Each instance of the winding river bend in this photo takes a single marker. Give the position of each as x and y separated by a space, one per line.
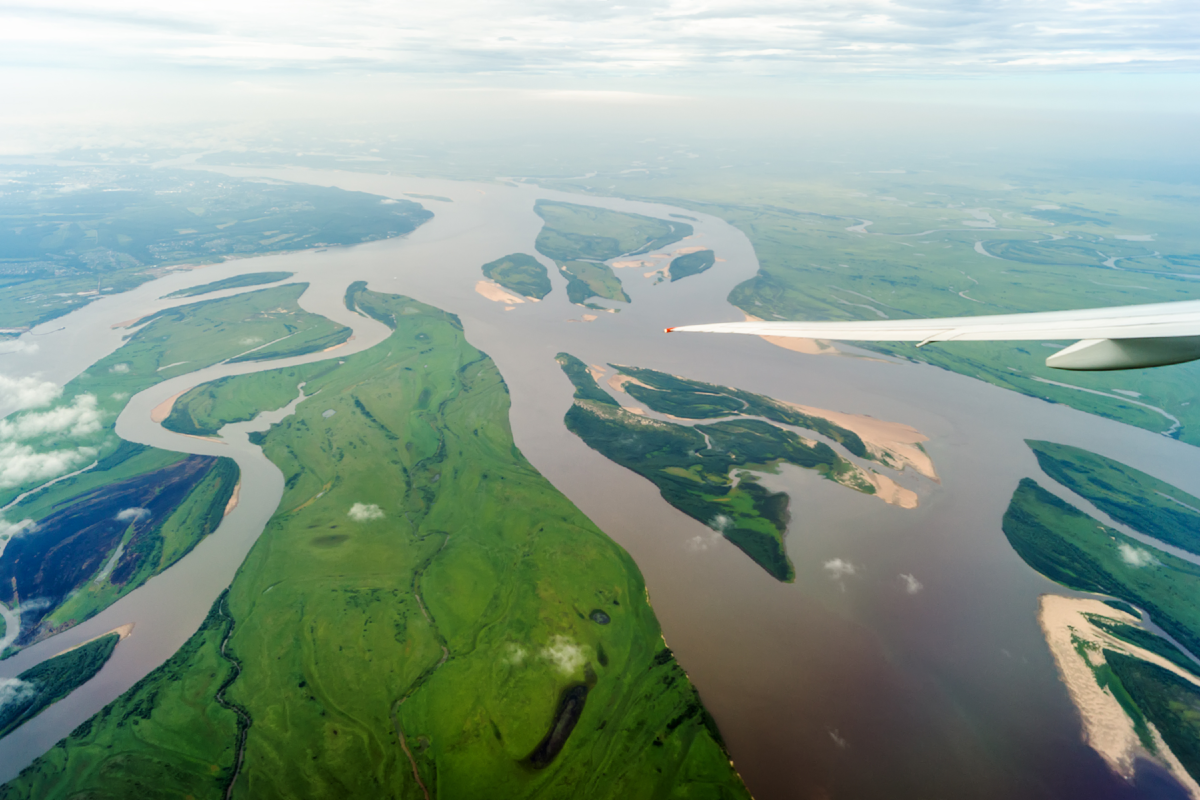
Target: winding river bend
840 683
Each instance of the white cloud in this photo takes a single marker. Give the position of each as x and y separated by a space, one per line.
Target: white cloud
565 654
17 346
911 584
20 464
514 654
21 393
120 369
81 418
720 523
130 514
9 530
1136 557
839 568
365 512
15 690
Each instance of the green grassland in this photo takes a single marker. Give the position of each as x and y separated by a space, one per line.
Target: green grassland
167 736
54 679
696 467
1170 702
580 238
1071 548
68 230
1141 501
236 282
520 273
422 601
918 258
1140 637
181 340
691 264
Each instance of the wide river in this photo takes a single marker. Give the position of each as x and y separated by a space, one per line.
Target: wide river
849 686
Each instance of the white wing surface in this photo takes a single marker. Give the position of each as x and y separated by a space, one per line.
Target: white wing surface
1120 337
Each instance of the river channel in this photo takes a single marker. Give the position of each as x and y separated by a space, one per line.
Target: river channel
839 684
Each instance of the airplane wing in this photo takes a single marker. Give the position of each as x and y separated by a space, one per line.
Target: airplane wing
1120 337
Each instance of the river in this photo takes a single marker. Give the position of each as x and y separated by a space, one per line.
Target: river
839 684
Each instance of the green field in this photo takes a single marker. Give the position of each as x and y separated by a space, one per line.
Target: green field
580 238
1170 702
690 264
71 233
422 601
520 273
918 258
707 471
1141 501
236 282
1071 548
50 681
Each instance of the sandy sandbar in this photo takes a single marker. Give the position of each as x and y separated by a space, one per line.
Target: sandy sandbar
233 499
163 409
123 631
498 294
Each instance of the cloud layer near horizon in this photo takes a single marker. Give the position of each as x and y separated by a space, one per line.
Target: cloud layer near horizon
679 38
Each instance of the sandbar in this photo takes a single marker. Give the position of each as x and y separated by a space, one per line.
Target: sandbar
893 443
163 409
123 631
233 499
1107 729
498 294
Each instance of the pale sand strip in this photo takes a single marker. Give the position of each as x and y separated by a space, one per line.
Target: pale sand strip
129 323
498 294
163 409
893 443
233 499
1107 729
124 631
336 346
889 491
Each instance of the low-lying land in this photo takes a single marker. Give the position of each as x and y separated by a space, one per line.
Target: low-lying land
70 234
707 470
691 264
424 616
1141 501
581 238
236 282
520 273
31 692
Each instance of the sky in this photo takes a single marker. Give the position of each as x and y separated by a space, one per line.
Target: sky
133 62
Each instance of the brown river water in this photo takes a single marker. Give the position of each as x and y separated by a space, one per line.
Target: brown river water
843 686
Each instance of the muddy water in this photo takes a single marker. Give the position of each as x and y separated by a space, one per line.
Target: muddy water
841 683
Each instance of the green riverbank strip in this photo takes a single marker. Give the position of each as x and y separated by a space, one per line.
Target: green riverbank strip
424 616
691 264
1073 549
581 238
705 471
520 273
37 688
1130 496
236 282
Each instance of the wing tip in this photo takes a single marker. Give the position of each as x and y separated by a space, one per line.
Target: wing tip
668 330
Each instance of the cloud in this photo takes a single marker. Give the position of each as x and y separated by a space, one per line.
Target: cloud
120 369
17 346
839 568
19 464
131 514
1136 557
15 691
720 523
565 654
10 530
365 512
911 584
22 393
514 654
81 418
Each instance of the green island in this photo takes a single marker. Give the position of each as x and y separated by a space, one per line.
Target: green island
581 238
1167 700
71 234
1074 549
707 470
834 244
690 264
236 282
520 273
41 686
1143 502
425 615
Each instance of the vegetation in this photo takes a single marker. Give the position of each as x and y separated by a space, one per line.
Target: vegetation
1141 501
691 264
52 680
236 282
1140 637
1171 702
422 616
1071 548
693 466
520 273
580 238
72 233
